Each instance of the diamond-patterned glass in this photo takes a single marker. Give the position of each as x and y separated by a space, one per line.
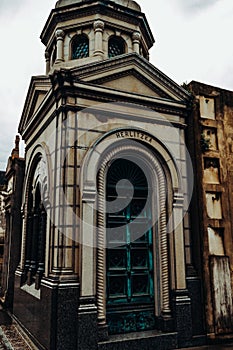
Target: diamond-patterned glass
80 47
116 46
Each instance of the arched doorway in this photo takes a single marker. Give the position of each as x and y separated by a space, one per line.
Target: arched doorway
164 185
130 247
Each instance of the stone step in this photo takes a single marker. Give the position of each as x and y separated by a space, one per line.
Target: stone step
140 341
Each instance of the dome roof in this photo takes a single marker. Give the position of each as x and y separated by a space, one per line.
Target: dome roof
127 3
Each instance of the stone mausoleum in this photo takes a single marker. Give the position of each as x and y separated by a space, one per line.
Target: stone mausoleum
108 257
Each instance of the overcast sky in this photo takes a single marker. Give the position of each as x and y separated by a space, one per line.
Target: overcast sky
193 42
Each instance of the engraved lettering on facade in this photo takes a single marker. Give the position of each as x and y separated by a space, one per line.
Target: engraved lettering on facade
133 134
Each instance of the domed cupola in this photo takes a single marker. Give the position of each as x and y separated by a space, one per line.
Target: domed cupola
81 32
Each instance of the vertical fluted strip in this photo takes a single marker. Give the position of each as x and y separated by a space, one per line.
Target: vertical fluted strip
164 245
101 250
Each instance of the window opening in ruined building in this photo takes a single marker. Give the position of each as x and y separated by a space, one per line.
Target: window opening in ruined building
211 170
215 238
116 46
210 136
207 107
80 47
214 205
129 257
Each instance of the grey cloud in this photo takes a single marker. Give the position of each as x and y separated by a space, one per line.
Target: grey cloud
196 5
5 148
10 5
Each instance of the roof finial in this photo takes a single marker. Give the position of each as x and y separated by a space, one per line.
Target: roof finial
15 151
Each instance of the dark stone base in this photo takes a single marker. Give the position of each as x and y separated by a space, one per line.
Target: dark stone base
87 335
197 306
165 323
102 332
199 340
139 341
66 323
183 317
50 320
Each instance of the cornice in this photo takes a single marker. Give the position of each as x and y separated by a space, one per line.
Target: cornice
64 86
60 15
38 84
80 73
30 123
134 73
70 82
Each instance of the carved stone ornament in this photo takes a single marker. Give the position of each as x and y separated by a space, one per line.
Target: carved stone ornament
60 34
99 25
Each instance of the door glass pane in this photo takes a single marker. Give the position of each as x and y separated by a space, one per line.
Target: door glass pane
129 256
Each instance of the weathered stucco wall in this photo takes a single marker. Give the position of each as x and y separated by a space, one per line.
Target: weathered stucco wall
213 135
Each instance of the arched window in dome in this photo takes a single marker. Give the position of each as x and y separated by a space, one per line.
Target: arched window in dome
116 46
80 47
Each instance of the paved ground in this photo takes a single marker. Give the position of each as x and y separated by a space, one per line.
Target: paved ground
212 347
12 338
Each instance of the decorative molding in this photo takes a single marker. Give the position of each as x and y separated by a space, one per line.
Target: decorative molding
136 36
99 25
132 72
60 34
101 230
81 10
139 62
37 84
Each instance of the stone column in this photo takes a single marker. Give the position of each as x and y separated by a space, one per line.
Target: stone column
87 310
181 299
179 241
136 37
98 28
87 241
47 61
60 45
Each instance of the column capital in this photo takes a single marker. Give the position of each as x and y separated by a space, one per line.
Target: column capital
136 36
60 34
98 25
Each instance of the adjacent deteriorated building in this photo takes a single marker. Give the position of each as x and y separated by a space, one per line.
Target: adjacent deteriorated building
2 217
211 132
12 199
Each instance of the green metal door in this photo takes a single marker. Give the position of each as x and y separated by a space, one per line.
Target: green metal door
130 263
